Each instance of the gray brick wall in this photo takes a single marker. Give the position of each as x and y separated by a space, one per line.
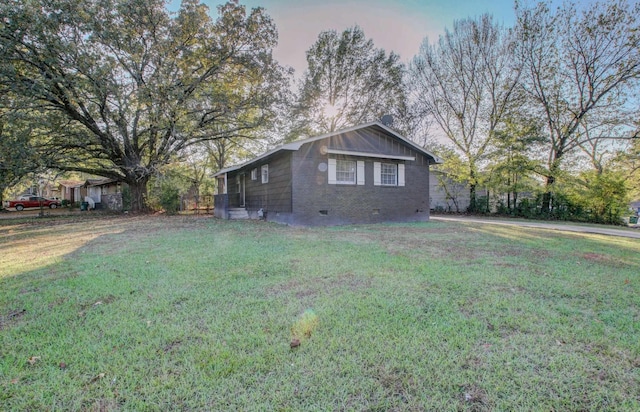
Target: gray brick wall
315 202
298 191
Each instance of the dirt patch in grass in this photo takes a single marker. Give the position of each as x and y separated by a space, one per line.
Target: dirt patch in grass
11 318
349 281
171 346
601 259
57 302
472 363
294 285
96 303
397 383
540 254
104 405
511 289
307 293
314 287
474 398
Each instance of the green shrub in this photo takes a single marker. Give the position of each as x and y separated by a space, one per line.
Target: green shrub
169 199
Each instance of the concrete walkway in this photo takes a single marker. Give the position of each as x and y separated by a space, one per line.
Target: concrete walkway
600 230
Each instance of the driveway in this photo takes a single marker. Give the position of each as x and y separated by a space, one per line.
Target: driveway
600 230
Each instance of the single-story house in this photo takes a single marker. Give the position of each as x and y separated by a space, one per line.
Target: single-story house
103 194
363 174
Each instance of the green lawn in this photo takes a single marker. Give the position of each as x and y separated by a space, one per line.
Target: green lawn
193 313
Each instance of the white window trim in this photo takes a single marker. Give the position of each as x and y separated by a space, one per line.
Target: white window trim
332 171
392 169
332 168
377 175
401 174
360 172
355 171
254 174
264 172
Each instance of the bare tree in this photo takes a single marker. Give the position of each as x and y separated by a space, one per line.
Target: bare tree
577 62
465 83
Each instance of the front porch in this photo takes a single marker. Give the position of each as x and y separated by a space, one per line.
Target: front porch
232 206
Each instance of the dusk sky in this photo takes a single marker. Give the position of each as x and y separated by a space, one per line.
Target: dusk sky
394 25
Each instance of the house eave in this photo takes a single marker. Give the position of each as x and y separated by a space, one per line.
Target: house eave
367 154
294 146
254 160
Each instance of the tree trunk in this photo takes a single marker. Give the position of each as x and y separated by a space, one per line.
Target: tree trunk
515 192
546 197
473 206
509 195
473 183
139 194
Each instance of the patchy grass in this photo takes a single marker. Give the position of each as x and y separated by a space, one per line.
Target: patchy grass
193 313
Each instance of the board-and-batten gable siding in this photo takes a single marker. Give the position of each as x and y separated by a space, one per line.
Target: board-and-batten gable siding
274 195
357 203
368 141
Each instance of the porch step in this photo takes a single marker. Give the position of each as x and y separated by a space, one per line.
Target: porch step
238 213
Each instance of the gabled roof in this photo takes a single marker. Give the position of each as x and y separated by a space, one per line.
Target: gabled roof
294 146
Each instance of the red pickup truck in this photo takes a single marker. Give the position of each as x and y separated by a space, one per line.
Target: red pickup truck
32 201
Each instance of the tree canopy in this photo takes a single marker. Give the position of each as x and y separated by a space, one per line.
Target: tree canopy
578 68
465 82
17 155
348 82
124 86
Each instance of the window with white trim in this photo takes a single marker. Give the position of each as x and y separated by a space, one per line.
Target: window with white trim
388 174
346 172
265 173
254 174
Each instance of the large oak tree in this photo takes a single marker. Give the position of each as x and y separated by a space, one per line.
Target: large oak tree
124 86
17 156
